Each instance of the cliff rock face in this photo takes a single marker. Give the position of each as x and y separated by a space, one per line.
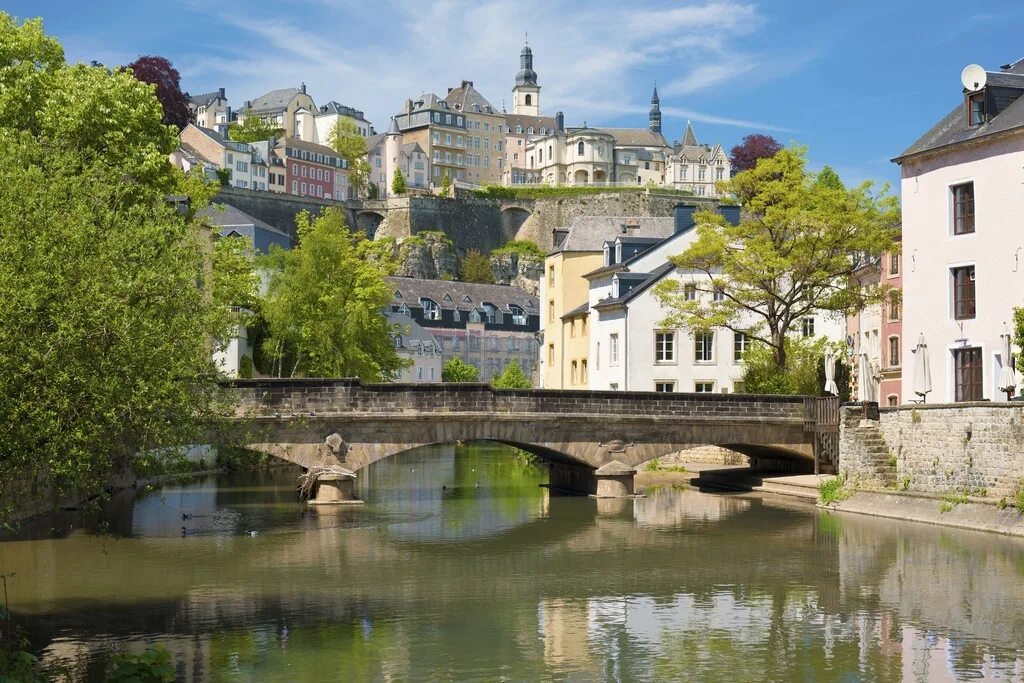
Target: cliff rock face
427 256
519 271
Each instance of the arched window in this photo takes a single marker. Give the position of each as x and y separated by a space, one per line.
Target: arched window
550 155
530 130
529 100
580 148
540 155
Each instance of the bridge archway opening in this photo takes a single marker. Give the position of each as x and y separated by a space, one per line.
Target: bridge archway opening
748 456
368 222
512 219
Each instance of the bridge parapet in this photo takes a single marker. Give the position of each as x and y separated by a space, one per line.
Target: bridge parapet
284 397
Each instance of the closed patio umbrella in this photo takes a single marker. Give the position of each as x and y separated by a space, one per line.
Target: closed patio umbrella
1007 377
922 370
830 375
867 380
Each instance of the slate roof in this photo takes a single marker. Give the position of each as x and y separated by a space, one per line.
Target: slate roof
468 99
953 128
502 296
637 137
308 146
273 101
524 120
221 140
411 330
225 216
579 310
589 233
411 148
204 99
333 107
652 277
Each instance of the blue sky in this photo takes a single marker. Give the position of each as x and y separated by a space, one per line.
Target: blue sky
855 81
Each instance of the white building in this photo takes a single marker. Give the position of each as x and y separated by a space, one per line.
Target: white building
417 345
328 116
245 166
963 245
385 153
630 348
211 110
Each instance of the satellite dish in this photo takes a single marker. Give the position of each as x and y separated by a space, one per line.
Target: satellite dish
973 77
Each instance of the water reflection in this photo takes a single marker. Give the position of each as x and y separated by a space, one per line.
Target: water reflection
439 578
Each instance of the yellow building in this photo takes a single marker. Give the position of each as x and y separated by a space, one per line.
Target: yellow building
484 144
564 293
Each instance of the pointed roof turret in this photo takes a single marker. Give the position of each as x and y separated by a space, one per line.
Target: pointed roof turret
393 128
654 97
654 120
690 139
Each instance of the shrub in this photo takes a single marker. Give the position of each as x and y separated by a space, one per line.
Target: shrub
457 370
245 367
512 377
475 267
544 192
152 666
526 248
833 490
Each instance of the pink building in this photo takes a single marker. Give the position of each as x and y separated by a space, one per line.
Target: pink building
891 393
874 336
312 170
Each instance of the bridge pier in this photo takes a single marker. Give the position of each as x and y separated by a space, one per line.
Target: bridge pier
335 489
614 480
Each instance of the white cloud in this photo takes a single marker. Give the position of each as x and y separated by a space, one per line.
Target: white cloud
591 59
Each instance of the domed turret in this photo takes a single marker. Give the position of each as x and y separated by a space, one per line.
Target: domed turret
526 75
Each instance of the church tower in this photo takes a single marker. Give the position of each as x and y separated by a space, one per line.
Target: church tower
655 115
526 93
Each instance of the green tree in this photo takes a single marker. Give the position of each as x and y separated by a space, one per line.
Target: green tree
325 304
1018 331
398 182
372 191
475 267
446 185
457 370
253 129
804 373
794 251
512 377
346 140
103 331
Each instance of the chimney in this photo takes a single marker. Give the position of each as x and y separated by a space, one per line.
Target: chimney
731 213
408 107
559 121
684 217
248 104
467 84
220 93
302 88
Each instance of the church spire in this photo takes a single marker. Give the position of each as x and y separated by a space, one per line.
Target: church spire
655 115
690 139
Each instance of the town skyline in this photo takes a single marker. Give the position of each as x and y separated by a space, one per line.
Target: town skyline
717 64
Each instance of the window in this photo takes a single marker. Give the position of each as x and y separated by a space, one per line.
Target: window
718 294
664 387
295 187
437 138
597 357
664 347
572 376
242 166
963 208
702 172
431 374
968 374
303 186
431 311
448 119
551 276
704 347
807 327
529 100
719 172
614 386
894 352
892 400
690 292
448 139
740 345
304 171
976 109
963 293
894 309
704 387
613 349
894 264
551 310
458 141
572 329
583 372
580 148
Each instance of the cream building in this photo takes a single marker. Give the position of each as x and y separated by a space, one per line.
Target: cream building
484 142
524 123
289 108
441 131
696 167
389 151
211 110
564 293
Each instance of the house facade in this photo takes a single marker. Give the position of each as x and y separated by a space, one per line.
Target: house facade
962 246
696 167
564 292
390 151
874 335
211 110
290 109
440 131
486 326
328 116
246 167
312 170
419 348
484 156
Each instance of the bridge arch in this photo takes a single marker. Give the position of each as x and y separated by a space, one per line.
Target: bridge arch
368 222
512 219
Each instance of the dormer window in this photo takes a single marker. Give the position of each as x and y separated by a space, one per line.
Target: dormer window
976 109
615 288
618 252
431 311
607 255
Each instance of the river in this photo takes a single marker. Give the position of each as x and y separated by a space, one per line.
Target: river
460 567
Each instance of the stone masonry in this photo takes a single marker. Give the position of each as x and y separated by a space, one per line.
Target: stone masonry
967 447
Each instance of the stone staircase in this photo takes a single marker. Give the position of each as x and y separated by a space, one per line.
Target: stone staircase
874 468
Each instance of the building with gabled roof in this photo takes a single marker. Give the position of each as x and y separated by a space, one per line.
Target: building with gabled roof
246 168
211 110
695 167
328 116
285 108
484 155
485 325
417 346
390 151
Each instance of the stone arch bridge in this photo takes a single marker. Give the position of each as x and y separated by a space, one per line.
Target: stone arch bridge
593 439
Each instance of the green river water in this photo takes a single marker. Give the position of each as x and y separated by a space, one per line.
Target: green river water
459 567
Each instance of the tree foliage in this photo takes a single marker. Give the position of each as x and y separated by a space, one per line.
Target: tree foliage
744 156
475 267
446 185
346 140
1018 332
512 377
794 252
253 129
325 301
398 183
159 72
457 370
104 333
523 248
804 373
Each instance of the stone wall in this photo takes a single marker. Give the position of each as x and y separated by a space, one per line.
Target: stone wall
275 208
966 447
329 396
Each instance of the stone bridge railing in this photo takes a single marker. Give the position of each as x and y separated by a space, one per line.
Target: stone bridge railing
301 397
